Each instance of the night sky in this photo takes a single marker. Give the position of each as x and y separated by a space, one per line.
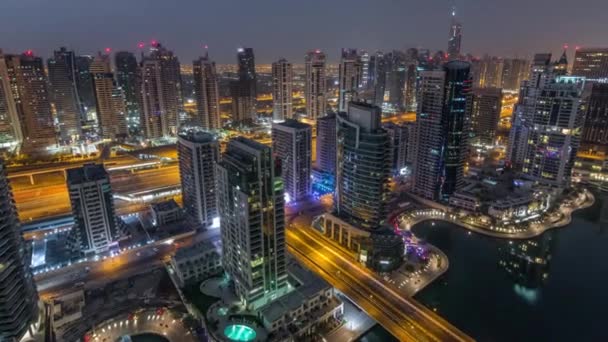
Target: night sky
287 28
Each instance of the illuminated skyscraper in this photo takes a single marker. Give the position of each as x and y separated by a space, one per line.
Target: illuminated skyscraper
207 93
109 100
443 114
399 136
455 39
487 72
326 144
282 90
126 75
10 127
244 90
292 144
485 114
198 152
591 63
316 88
514 71
84 85
62 82
350 77
161 93
18 297
595 131
250 200
30 92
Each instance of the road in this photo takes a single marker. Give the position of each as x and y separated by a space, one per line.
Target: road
405 318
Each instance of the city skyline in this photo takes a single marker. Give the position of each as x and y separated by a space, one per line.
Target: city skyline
388 25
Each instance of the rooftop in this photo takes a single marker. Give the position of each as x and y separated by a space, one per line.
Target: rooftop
295 124
165 205
196 249
197 136
87 173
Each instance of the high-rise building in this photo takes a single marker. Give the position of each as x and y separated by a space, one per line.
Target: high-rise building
18 296
198 152
282 90
455 39
30 92
292 144
443 110
244 90
378 78
315 84
96 228
250 201
161 93
109 100
127 72
487 72
207 93
595 131
349 77
326 144
364 167
62 82
365 66
84 86
591 63
514 71
10 127
485 114
399 136
411 86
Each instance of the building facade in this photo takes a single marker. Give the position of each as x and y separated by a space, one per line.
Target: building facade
207 93
109 100
399 136
349 78
282 90
250 203
595 131
326 144
244 90
198 152
292 144
315 84
10 126
485 115
591 63
62 83
455 37
127 73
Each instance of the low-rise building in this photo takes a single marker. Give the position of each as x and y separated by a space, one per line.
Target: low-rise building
591 168
165 212
197 262
67 308
305 310
521 208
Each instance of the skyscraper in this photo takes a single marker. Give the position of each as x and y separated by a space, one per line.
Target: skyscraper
326 144
62 82
251 193
399 136
365 66
244 90
161 93
485 114
595 131
315 88
198 151
84 85
443 110
126 76
96 228
379 78
109 100
350 77
207 93
30 92
487 72
591 63
514 71
10 127
292 144
18 297
455 38
364 167
282 90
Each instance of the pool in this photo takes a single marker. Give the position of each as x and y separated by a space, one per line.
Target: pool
239 332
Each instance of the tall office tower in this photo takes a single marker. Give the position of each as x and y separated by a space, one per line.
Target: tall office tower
62 82
591 63
485 113
282 90
399 136
207 93
244 90
28 83
326 144
315 84
84 85
487 72
250 201
560 67
379 78
10 127
161 89
364 167
126 76
18 296
292 144
443 110
109 100
198 153
350 77
365 66
395 80
455 39
96 228
514 72
595 131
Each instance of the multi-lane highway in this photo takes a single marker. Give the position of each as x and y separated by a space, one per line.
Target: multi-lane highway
402 316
